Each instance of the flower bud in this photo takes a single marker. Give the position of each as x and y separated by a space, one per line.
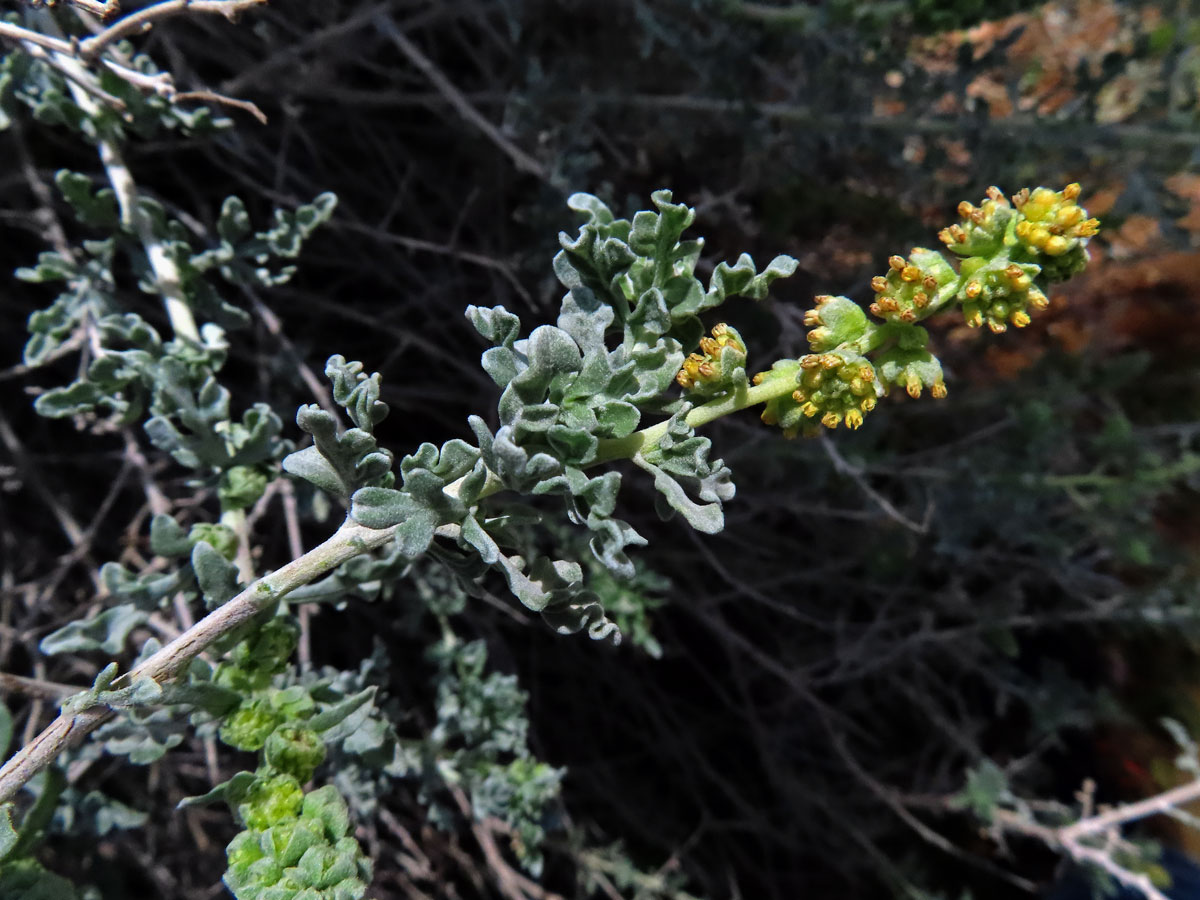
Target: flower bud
982 230
840 321
221 538
999 293
295 751
911 370
270 800
908 291
783 411
711 371
1052 230
248 726
841 388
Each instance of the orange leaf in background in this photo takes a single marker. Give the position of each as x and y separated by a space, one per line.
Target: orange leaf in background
1187 186
1135 237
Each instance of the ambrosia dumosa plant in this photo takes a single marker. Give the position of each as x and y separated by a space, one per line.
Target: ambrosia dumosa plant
629 371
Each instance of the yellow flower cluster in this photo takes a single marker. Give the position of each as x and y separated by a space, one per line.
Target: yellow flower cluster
1051 221
839 387
909 286
709 367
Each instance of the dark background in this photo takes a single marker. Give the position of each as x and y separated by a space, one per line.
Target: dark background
1006 574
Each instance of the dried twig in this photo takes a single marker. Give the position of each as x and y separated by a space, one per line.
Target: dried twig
36 687
143 19
522 160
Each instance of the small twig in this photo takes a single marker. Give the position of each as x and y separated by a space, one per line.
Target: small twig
36 687
855 474
511 883
104 10
160 83
79 77
29 36
1070 843
143 19
207 96
166 273
1130 812
522 160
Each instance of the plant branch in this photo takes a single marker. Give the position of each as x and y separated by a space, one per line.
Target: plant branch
36 687
347 542
29 36
626 447
144 19
1070 838
166 273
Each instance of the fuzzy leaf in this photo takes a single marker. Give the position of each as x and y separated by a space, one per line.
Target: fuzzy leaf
310 465
215 575
107 631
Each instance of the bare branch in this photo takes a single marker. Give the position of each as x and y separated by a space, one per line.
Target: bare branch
522 160
347 542
36 687
144 19
28 36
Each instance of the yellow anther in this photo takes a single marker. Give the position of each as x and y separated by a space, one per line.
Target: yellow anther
879 284
1038 300
997 326
896 262
1020 318
1071 191
938 390
920 299
710 346
1068 216
829 361
809 362
867 404
973 290
994 193
929 283
812 317
1056 245
854 419
913 386
910 273
758 378
965 209
831 420
810 409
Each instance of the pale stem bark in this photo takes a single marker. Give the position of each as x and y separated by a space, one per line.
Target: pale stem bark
143 19
347 542
166 273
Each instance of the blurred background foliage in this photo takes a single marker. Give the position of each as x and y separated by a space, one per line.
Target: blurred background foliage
1007 574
